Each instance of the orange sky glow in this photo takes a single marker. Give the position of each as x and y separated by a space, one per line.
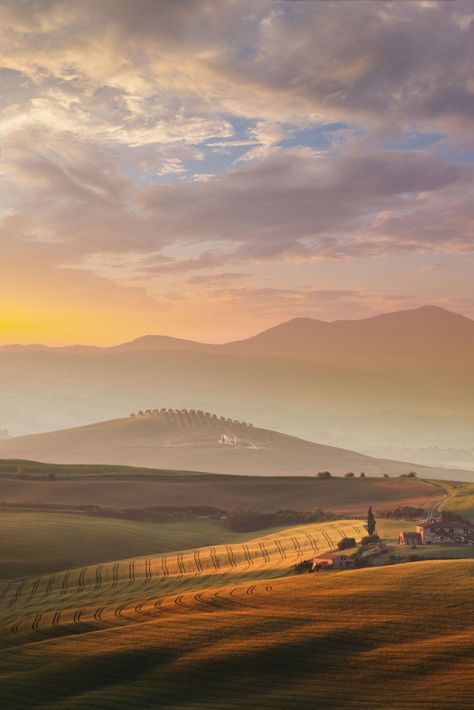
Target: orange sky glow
187 169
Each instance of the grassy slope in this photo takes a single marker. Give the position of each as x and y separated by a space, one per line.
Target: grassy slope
174 441
398 637
42 542
33 543
460 498
38 543
126 582
36 469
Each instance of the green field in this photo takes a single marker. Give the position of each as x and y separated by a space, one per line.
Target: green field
34 543
14 468
396 637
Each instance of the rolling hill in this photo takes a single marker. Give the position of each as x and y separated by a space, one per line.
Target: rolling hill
225 627
190 440
39 543
414 389
125 487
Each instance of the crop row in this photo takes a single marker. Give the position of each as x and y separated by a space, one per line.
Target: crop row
278 552
208 599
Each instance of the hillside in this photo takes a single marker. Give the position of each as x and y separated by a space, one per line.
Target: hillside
34 543
190 440
101 638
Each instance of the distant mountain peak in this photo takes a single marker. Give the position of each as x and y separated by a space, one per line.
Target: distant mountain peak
163 342
325 341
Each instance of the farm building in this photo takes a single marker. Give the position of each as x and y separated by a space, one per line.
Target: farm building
410 538
333 560
439 531
448 528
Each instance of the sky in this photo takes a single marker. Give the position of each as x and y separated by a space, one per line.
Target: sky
208 169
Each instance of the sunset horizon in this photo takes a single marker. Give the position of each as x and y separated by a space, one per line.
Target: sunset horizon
236 354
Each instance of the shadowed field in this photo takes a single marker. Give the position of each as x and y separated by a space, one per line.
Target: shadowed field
397 637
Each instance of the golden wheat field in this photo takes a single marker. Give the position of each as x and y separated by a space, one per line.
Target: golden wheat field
231 626
106 591
399 637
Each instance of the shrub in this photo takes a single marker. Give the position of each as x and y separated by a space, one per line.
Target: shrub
304 566
346 542
349 475
402 511
248 520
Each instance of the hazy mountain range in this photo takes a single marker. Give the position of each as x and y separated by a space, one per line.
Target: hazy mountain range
429 336
392 382
183 440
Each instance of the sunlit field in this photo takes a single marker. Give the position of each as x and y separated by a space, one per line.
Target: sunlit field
107 590
332 640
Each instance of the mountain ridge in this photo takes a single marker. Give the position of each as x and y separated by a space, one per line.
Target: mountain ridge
162 341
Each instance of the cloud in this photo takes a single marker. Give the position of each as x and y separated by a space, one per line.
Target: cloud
304 206
88 203
296 302
430 267
211 280
147 142
163 71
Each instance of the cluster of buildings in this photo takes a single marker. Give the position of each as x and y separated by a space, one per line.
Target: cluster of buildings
332 560
448 528
439 531
340 560
233 440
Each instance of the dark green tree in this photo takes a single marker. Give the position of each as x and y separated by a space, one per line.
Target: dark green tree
370 522
345 543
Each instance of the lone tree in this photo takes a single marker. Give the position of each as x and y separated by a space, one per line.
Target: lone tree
370 522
